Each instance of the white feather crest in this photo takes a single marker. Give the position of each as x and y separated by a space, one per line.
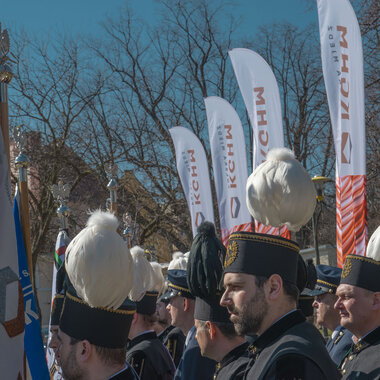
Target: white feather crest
177 255
280 154
179 261
143 274
158 281
96 261
104 220
280 191
373 248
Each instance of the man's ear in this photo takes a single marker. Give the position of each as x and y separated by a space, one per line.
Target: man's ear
376 301
84 350
273 287
186 304
134 319
211 329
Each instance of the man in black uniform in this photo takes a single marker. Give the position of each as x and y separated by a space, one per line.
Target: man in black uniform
216 334
172 337
260 276
326 316
95 319
359 309
218 339
145 352
192 366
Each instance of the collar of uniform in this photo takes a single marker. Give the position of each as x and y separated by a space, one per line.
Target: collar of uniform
276 330
147 335
117 373
189 335
233 354
165 332
367 340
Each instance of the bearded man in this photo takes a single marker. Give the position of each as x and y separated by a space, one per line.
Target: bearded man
260 277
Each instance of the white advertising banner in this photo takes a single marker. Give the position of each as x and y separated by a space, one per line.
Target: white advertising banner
229 162
342 63
259 89
193 171
261 95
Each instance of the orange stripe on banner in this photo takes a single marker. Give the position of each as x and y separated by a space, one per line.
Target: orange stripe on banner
282 231
351 208
240 227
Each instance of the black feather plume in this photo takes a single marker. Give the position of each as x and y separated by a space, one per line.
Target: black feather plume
204 268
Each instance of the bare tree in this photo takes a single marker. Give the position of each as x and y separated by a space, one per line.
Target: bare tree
156 79
48 95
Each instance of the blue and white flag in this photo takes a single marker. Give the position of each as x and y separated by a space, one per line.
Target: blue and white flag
11 300
33 344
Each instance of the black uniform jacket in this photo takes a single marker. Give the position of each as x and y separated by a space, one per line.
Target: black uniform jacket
363 360
291 349
233 365
194 366
126 374
150 358
174 340
340 345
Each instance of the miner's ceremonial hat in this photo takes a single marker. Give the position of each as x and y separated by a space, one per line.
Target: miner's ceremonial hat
364 271
262 255
100 270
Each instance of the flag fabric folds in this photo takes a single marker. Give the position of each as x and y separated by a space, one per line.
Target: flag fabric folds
342 64
33 344
261 96
61 244
229 162
193 171
60 249
12 322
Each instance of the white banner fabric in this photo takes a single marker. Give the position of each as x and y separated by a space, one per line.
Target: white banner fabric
259 89
229 160
342 63
193 171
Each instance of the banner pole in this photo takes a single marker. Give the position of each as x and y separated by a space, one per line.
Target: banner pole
22 164
112 171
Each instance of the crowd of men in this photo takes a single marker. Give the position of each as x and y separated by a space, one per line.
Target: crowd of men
251 329
240 312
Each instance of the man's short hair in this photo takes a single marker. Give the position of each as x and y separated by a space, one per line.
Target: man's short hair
109 356
149 319
227 329
290 289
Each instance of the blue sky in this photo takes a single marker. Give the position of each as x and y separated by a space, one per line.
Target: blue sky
84 16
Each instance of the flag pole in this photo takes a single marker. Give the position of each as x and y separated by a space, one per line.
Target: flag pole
112 171
22 164
60 194
5 77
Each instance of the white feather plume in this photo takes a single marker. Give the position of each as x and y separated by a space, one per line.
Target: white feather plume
373 248
143 274
280 191
99 264
157 281
103 221
179 261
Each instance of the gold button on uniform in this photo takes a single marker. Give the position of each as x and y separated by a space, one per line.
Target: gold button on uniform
350 357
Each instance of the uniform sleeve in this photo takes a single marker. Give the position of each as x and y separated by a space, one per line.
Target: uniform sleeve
140 363
175 344
295 367
197 367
